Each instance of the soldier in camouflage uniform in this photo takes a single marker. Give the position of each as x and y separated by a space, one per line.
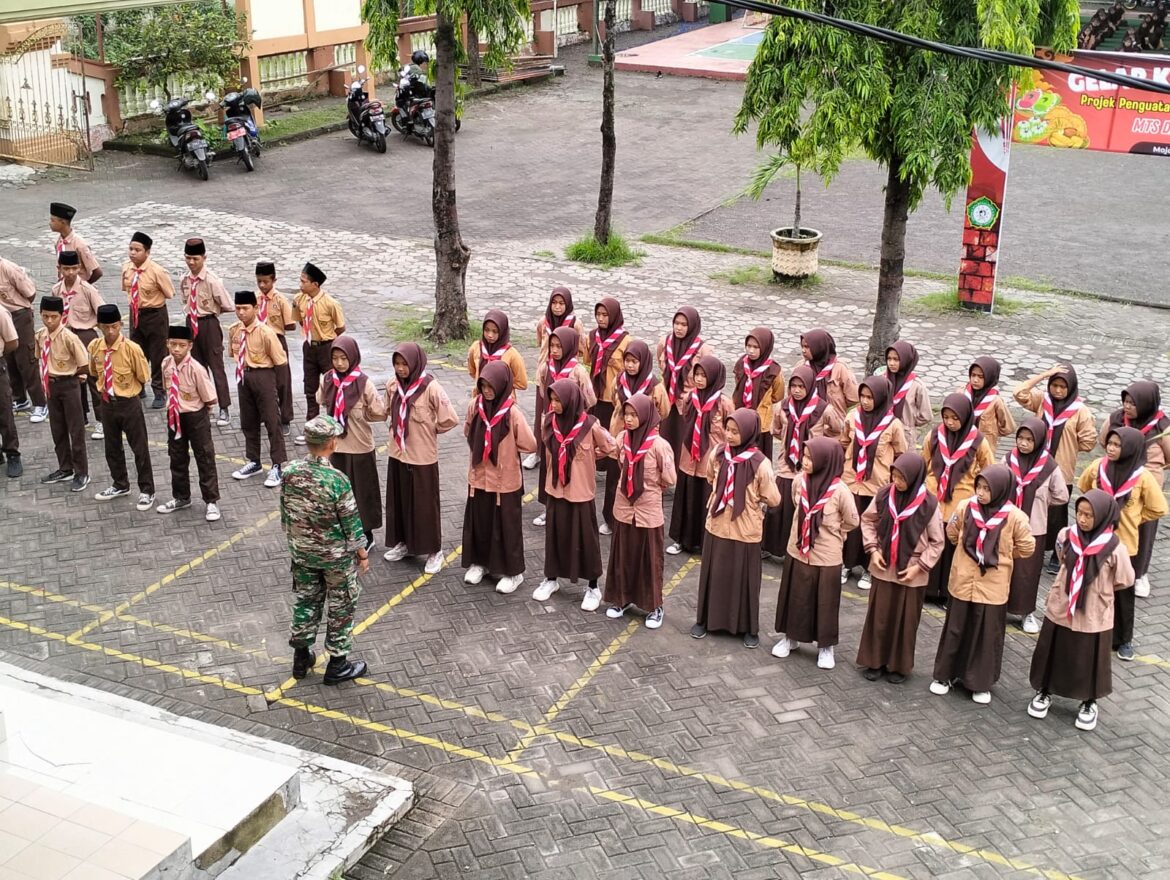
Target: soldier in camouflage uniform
328 548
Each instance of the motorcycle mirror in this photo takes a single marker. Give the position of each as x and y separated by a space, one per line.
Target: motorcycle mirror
209 95
243 79
154 104
361 68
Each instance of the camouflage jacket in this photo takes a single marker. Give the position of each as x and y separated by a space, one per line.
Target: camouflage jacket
319 514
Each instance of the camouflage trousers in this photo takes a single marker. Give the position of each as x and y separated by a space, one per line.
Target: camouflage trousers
313 588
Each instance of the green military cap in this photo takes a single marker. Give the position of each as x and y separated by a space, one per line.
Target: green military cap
320 429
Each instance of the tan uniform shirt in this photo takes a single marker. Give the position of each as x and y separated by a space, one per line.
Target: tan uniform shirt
196 389
658 475
916 412
154 283
831 424
841 389
719 415
1080 433
503 476
264 350
889 446
924 557
542 335
511 357
1094 612
838 517
74 242
965 488
83 301
657 395
1145 503
996 421
1157 453
17 290
769 400
67 356
211 297
326 321
1015 542
595 444
612 370
431 415
1051 492
359 431
748 528
7 329
280 311
130 366
579 374
688 384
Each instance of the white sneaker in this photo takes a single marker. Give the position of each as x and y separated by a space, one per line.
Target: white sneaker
539 521
654 618
145 501
224 418
509 584
300 440
1030 624
213 514
1087 716
981 697
863 582
545 590
674 549
99 433
825 658
531 460
1141 587
273 478
615 612
39 414
783 647
940 688
434 563
251 469
845 572
395 554
1038 708
474 574
592 600
604 529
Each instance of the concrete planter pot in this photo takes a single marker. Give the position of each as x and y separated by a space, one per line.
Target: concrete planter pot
795 258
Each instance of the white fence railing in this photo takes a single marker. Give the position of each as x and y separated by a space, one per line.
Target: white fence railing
287 71
135 100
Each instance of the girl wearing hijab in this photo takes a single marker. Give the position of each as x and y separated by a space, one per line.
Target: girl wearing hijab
497 434
903 535
574 441
742 485
705 409
646 468
803 414
992 416
419 411
874 436
1123 475
558 313
1072 654
606 359
759 382
1039 486
347 394
678 353
1071 430
991 533
495 344
809 603
561 363
955 453
908 395
1141 408
834 380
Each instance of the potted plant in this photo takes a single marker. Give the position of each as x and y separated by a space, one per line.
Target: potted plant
795 248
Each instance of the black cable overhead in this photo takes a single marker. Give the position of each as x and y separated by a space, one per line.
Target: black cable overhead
973 54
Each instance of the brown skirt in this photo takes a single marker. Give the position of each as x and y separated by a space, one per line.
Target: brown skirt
1057 519
493 532
688 512
766 444
572 548
940 576
413 516
670 429
1026 580
778 520
729 586
362 470
854 549
809 603
970 650
634 575
890 632
1072 664
1147 532
608 466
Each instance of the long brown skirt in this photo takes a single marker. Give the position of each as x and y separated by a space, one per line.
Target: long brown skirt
608 466
1072 664
362 470
970 650
890 633
1057 519
854 550
1147 532
688 512
729 586
541 473
1026 580
634 575
493 532
809 603
670 429
778 520
413 516
937 590
572 548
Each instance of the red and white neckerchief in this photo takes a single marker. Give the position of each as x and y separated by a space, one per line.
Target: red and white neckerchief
60 245
173 411
262 310
108 375
825 371
901 393
728 493
307 319
797 420
339 386
633 457
750 374
701 409
486 357
624 386
674 367
985 404
810 510
1076 578
566 321
985 526
603 347
1150 425
564 372
900 517
135 297
193 305
46 348
563 442
404 396
1023 481
489 424
242 353
1054 421
1125 488
67 298
865 441
950 459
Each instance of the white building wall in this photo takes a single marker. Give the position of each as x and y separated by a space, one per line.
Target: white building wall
280 18
333 15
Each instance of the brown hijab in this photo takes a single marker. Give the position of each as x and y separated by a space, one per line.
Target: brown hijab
748 423
1069 374
1024 463
573 405
907 361
501 321
679 348
766 340
551 320
627 387
633 470
911 466
805 375
828 461
1003 488
823 349
960 406
352 392
498 376
991 368
416 360
1133 457
1147 399
716 375
569 339
1106 513
597 358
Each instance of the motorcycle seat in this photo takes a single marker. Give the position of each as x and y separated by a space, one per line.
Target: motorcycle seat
185 129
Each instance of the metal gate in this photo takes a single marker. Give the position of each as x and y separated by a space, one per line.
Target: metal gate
44 110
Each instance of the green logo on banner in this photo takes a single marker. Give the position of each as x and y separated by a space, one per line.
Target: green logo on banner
982 213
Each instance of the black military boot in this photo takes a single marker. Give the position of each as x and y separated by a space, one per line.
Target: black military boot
303 660
342 669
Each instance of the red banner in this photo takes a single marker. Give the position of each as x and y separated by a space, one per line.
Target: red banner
990 151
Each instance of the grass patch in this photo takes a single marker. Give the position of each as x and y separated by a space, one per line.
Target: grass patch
547 254
413 324
616 252
763 275
945 301
715 247
278 125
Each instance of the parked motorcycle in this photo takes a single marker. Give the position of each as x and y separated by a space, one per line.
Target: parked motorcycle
239 126
414 104
366 118
185 136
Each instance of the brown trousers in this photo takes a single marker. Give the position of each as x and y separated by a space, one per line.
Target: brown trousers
67 424
9 443
208 350
197 441
151 333
318 362
258 407
123 415
86 337
284 392
23 371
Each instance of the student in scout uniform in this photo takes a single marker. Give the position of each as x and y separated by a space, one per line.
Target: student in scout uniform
605 358
678 353
9 442
190 403
495 344
81 300
61 222
992 416
148 286
908 395
17 293
328 550
834 380
274 309
759 382
322 321
558 313
257 353
205 299
122 371
64 367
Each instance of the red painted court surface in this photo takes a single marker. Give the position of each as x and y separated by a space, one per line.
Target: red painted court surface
717 51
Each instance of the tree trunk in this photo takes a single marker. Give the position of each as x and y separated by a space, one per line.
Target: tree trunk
451 255
601 224
886 324
796 215
474 66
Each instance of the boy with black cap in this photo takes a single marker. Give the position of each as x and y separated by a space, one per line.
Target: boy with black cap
9 442
61 222
148 286
205 299
257 353
322 321
122 371
81 300
17 293
274 309
64 367
190 402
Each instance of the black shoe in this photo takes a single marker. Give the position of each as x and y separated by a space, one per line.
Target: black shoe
22 405
751 641
698 631
15 466
57 476
80 481
342 669
303 660
1053 565
872 674
159 402
896 678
